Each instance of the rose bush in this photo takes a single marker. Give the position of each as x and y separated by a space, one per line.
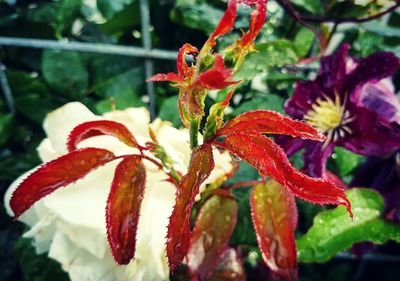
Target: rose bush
70 224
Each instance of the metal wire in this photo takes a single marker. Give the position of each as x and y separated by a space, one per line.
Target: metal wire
149 67
99 48
5 87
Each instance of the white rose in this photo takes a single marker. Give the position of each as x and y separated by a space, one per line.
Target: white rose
70 223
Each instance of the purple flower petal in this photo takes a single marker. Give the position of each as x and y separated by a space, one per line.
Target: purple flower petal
378 97
315 157
305 94
332 71
373 68
289 145
372 134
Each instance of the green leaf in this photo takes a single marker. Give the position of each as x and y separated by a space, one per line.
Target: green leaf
333 231
268 55
201 17
114 76
110 7
66 73
346 161
261 101
123 21
37 267
6 122
37 113
169 111
60 14
303 41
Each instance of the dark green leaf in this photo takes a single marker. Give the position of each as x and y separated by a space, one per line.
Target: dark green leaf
110 7
66 73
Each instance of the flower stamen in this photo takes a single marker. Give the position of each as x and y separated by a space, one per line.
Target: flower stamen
330 117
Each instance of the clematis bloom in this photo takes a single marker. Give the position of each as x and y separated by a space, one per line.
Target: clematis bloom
352 102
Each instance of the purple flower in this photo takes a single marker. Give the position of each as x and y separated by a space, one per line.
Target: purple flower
352 102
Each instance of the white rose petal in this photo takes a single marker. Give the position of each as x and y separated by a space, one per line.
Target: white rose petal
70 223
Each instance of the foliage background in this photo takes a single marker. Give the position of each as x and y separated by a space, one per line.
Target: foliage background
42 80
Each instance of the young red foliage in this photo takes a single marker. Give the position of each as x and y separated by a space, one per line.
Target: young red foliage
270 160
257 18
171 76
100 127
274 215
57 173
184 70
217 77
270 122
179 226
123 207
226 23
213 228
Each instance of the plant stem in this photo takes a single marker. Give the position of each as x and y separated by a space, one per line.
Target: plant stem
194 132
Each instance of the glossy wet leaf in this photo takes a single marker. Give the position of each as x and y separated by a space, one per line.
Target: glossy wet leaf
270 122
55 174
333 231
100 127
270 160
179 226
123 207
212 231
274 214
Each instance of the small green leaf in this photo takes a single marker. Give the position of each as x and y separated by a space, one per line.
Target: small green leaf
333 231
346 161
303 41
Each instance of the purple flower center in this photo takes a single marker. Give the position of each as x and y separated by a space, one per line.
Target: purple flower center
330 117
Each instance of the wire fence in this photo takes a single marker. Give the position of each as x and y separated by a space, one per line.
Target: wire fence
146 52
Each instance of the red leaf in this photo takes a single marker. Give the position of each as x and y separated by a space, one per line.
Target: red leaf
257 18
274 215
230 267
123 207
171 77
270 122
270 160
226 23
101 127
57 173
179 228
212 231
184 70
217 76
